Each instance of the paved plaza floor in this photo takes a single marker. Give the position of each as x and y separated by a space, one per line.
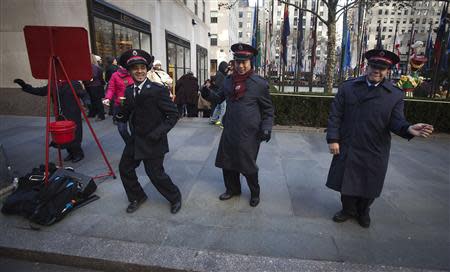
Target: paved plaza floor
291 229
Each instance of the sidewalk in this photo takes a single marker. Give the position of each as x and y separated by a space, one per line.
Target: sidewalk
291 229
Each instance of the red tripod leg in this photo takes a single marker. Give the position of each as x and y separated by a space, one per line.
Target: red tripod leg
55 105
47 129
111 172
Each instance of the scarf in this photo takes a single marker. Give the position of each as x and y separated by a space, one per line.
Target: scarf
239 87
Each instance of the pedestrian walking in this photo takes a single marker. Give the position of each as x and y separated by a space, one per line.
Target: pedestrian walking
186 95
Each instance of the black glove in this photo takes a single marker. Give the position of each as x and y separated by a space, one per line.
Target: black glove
265 135
20 82
154 136
119 118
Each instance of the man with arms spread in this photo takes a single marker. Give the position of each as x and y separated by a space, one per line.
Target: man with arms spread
363 114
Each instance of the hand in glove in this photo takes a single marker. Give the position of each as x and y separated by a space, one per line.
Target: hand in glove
265 135
20 82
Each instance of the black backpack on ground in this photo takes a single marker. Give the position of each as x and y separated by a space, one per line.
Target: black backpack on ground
56 200
23 201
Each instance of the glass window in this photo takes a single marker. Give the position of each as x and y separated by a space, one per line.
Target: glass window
241 14
213 40
108 44
203 10
214 15
196 7
103 37
178 59
240 34
187 59
125 39
180 56
145 42
240 24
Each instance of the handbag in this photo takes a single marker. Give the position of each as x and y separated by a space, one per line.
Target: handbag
203 104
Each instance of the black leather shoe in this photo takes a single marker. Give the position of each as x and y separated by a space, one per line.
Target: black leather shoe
364 221
69 157
254 201
134 205
342 217
227 195
77 158
175 207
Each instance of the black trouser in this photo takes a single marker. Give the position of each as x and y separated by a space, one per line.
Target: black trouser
356 205
75 149
155 171
189 110
96 93
233 183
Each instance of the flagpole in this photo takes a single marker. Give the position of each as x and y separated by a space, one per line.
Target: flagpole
313 49
409 47
443 46
393 44
361 51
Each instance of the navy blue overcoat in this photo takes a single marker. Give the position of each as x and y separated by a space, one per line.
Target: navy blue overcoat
361 121
243 122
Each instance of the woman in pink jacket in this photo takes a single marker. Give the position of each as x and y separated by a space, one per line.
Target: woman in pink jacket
119 81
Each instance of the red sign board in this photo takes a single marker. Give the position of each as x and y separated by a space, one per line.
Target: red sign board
69 44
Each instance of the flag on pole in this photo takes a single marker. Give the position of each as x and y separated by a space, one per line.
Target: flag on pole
379 43
286 32
439 37
348 53
300 41
255 36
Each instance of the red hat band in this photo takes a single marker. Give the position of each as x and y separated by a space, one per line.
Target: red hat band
389 61
136 58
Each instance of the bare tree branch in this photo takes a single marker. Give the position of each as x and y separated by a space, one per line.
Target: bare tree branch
307 10
348 6
342 11
326 3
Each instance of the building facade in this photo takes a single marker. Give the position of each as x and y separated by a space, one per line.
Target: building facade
174 31
413 22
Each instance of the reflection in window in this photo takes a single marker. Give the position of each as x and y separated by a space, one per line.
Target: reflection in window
179 60
125 39
103 37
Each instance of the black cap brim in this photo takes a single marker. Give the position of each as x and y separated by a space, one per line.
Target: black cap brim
379 65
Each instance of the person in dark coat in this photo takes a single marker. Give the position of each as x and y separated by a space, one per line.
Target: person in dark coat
68 109
363 114
247 122
219 109
111 67
151 114
186 94
96 90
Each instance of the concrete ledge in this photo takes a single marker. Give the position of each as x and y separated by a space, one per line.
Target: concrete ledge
116 255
